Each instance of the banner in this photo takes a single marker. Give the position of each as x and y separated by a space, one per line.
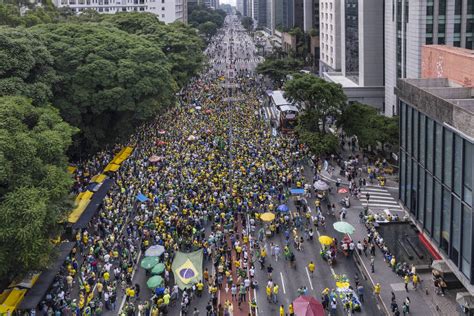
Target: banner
187 268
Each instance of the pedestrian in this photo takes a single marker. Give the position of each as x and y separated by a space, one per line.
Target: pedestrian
415 280
407 303
333 307
360 248
311 268
275 294
377 289
360 292
404 309
406 280
372 264
282 310
195 312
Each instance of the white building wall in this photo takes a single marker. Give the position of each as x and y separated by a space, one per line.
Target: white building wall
167 11
390 42
330 35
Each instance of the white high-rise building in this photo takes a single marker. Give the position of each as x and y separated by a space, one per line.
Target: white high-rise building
361 52
167 11
411 24
330 35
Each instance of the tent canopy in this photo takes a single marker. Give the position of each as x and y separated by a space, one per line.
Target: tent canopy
46 278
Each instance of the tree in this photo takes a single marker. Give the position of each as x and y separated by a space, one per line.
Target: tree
29 70
111 81
179 42
247 23
318 143
34 184
368 125
209 29
200 14
322 99
278 68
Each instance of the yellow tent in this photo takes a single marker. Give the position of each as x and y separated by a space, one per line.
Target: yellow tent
112 167
8 306
27 281
83 199
71 169
118 160
98 178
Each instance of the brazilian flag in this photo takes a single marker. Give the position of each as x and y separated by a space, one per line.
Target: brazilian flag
187 268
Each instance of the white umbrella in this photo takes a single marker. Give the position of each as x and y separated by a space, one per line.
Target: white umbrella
154 251
192 137
320 185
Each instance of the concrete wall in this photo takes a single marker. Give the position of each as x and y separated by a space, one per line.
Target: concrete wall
436 107
454 63
371 59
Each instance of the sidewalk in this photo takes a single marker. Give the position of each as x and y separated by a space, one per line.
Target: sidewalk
424 301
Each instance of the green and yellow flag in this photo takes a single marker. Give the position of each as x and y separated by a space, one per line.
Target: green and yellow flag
187 268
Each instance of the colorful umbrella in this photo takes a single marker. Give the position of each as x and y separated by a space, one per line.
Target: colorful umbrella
154 251
320 185
343 190
191 138
344 227
162 132
283 208
308 306
267 217
154 282
326 240
158 269
149 262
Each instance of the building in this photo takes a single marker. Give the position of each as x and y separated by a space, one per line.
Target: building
361 52
240 6
311 16
167 11
261 13
441 61
436 166
330 36
411 24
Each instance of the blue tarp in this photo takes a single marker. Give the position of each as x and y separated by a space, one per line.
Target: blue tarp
141 197
296 191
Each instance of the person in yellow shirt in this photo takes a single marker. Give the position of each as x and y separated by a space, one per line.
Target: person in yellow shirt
268 291
291 310
377 289
282 310
200 288
311 267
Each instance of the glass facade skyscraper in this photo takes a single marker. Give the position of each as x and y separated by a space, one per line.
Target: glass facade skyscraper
436 175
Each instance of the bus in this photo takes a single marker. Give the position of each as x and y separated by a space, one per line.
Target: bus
283 114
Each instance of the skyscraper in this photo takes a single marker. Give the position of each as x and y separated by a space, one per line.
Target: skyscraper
411 24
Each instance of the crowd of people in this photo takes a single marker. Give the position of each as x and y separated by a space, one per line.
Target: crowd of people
216 165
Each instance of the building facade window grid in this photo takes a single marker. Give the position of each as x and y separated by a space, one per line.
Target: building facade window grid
435 197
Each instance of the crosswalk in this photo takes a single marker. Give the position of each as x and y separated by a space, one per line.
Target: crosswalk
380 199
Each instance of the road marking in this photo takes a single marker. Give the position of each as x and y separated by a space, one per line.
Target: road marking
282 283
309 278
383 205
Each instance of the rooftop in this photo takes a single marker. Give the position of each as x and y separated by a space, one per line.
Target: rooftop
338 77
442 99
454 93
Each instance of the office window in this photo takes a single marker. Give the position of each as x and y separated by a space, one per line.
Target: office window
408 183
457 181
415 134
403 118
429 28
438 150
466 241
468 160
429 144
446 229
421 195
429 203
429 40
441 40
422 139
442 7
437 198
414 187
456 239
409 130
403 179
448 158
457 7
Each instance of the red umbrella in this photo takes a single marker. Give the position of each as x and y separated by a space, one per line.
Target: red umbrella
160 143
308 306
